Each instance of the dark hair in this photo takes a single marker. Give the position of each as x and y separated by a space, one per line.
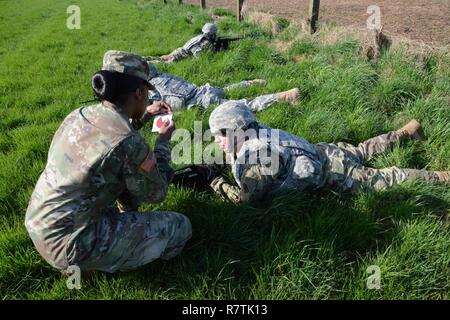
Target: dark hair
113 86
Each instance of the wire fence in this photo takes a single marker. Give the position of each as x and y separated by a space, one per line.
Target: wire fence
311 8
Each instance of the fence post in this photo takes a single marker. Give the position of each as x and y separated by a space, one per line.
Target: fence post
203 3
240 4
313 17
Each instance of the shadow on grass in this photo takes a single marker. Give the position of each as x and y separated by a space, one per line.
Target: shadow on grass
233 245
235 248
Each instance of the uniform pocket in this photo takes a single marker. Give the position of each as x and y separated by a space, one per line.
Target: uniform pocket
176 102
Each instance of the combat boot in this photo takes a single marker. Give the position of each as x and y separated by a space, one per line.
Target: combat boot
290 96
412 130
443 176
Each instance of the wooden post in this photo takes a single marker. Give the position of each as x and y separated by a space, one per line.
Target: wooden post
313 17
180 1
240 4
203 3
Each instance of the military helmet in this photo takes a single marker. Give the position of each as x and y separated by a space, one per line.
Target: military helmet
209 29
231 115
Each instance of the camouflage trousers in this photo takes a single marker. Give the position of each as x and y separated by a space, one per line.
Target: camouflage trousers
207 95
176 55
344 168
124 241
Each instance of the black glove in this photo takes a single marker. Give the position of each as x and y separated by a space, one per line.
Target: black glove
209 172
197 176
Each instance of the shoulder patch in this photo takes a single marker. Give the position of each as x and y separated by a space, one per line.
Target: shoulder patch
149 162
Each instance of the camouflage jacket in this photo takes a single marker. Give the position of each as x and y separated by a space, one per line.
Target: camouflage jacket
272 163
172 89
198 44
95 156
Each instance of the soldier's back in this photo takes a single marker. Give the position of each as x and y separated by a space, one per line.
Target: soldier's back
196 41
72 187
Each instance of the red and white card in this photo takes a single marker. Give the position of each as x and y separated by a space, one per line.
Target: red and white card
160 121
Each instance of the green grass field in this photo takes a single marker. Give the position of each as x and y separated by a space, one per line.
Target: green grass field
304 246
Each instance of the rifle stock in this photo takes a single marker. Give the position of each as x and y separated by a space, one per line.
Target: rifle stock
223 43
195 176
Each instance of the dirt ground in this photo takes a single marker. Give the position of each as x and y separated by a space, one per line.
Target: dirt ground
423 20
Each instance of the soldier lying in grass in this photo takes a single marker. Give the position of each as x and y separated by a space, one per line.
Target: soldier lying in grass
179 93
203 42
292 163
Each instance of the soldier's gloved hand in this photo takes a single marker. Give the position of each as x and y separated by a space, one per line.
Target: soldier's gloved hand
216 182
225 190
158 107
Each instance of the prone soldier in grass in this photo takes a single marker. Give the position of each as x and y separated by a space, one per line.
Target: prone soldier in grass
200 43
267 161
179 93
206 41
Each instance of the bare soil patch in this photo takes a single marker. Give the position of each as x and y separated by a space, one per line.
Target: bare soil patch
422 20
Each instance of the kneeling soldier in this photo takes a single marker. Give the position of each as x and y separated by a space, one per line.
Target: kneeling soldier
96 158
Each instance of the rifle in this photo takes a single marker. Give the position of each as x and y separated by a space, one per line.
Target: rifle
197 177
223 43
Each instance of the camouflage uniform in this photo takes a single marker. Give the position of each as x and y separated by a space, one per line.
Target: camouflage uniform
179 93
304 166
195 46
95 159
345 171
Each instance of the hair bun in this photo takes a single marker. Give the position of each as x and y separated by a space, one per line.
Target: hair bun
112 85
104 84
